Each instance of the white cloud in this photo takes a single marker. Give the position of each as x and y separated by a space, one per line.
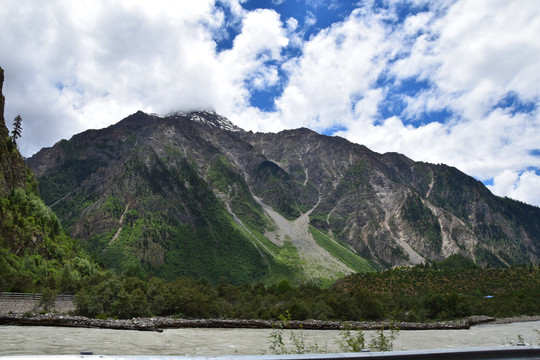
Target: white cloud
76 65
485 50
518 186
472 56
310 19
245 67
292 24
336 70
416 23
477 53
71 66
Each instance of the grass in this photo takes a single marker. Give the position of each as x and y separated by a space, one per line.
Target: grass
340 252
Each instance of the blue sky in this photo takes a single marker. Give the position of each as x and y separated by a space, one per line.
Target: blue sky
451 81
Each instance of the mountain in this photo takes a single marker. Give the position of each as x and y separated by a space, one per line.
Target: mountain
191 194
35 252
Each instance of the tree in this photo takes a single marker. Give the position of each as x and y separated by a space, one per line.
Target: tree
48 299
17 128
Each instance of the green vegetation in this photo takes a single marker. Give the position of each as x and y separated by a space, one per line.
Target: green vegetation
248 211
58 184
283 261
222 176
226 252
276 187
114 207
17 129
422 293
354 181
35 253
442 292
422 220
177 226
278 346
457 262
350 340
348 257
48 299
355 340
286 263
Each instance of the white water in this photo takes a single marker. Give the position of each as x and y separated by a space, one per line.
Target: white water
32 340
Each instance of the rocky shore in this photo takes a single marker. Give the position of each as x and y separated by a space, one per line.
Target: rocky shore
160 323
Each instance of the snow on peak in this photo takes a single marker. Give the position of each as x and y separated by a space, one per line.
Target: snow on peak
213 119
209 118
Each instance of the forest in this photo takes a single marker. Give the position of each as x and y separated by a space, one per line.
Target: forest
424 293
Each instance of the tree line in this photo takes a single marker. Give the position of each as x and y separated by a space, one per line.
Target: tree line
373 296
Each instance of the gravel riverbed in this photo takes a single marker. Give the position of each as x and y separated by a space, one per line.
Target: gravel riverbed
160 323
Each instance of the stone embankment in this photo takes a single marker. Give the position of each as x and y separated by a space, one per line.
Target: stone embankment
160 323
12 305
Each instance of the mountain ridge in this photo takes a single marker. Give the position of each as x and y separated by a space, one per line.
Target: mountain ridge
381 210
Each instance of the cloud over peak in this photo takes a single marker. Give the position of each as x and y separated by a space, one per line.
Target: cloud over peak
453 82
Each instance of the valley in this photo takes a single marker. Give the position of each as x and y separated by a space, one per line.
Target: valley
187 215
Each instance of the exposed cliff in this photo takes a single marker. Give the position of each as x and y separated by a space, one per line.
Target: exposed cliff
13 171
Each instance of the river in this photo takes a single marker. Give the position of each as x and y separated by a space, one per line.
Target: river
36 340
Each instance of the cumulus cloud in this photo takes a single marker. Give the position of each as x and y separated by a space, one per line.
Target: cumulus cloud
77 65
470 55
518 186
451 81
71 66
310 19
475 57
478 52
249 64
337 69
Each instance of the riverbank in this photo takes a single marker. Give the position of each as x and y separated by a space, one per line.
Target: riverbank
160 323
22 305
516 319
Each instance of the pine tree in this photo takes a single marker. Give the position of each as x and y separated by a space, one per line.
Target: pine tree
17 128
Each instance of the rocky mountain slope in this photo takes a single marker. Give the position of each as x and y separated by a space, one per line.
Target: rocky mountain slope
35 252
192 194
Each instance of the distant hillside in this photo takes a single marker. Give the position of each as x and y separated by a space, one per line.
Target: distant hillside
35 253
191 194
441 279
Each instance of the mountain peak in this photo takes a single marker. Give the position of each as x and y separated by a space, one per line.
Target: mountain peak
210 118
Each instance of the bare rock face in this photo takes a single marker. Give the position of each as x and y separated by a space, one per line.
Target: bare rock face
13 172
192 194
396 211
